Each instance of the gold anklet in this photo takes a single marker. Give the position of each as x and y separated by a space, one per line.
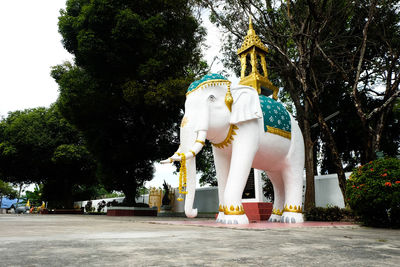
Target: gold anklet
296 209
239 210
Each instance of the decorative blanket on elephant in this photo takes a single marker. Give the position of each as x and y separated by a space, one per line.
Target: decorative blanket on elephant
276 117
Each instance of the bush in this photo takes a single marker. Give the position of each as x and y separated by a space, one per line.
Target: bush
373 192
330 214
101 205
88 207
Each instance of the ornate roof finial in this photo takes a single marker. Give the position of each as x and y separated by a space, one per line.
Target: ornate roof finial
251 30
252 39
256 75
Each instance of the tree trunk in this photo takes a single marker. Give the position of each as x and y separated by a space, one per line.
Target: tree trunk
337 161
380 125
309 201
68 201
303 118
130 195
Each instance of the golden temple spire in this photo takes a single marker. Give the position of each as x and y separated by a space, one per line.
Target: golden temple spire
253 51
251 30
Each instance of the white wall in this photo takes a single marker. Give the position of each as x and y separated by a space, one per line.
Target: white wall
206 199
327 193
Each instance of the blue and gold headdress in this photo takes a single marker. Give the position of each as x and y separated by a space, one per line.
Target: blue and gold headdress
213 79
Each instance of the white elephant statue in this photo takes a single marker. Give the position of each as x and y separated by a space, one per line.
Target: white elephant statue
247 131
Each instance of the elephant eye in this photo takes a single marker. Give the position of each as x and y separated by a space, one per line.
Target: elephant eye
211 98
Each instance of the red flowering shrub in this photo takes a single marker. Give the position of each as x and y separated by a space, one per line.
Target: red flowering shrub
373 192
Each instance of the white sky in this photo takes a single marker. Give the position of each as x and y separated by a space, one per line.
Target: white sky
30 44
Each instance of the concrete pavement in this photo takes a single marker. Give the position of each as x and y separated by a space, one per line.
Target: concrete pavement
84 240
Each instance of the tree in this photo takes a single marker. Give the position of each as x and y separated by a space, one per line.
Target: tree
315 49
35 197
376 63
229 15
133 63
39 146
205 163
7 190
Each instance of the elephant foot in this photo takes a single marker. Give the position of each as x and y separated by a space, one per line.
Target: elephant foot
221 217
275 218
235 219
292 217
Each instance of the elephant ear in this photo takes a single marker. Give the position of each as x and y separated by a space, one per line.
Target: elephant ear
246 104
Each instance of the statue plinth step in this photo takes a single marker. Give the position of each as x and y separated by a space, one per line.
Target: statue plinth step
257 211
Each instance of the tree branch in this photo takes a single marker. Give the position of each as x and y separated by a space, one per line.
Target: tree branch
384 105
357 101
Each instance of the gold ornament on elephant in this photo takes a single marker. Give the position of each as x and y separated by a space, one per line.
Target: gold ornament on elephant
256 51
184 121
229 98
229 138
232 210
290 208
277 212
182 177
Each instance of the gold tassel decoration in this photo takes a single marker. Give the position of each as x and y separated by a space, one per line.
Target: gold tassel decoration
182 177
229 98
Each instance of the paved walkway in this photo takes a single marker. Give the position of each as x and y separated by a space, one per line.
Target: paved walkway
83 240
254 226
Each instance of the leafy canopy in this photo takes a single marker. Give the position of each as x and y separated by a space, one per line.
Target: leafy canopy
6 190
39 146
133 62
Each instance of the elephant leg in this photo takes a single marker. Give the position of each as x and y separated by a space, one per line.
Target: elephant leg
222 161
279 195
293 181
244 148
293 178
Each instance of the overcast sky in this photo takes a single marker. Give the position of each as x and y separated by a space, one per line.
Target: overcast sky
30 44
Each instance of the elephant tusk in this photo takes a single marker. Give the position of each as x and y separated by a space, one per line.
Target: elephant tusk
171 159
197 146
192 152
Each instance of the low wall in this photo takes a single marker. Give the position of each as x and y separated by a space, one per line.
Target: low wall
327 191
131 211
206 200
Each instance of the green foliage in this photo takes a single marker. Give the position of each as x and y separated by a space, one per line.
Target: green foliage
373 192
39 146
336 29
36 197
6 190
101 193
133 63
101 205
205 164
329 214
268 188
89 208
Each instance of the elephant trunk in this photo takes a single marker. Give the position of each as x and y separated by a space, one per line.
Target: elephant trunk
190 188
191 143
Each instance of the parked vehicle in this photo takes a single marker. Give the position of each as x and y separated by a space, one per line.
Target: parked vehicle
14 206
